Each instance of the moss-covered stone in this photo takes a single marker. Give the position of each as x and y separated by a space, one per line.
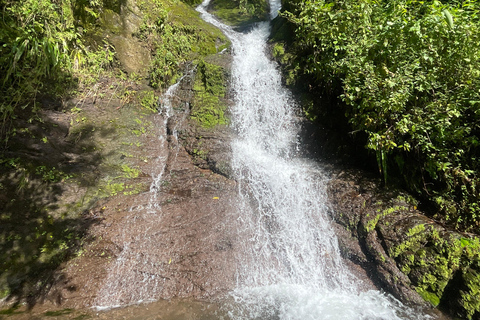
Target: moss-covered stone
177 34
240 13
470 300
210 88
111 21
432 259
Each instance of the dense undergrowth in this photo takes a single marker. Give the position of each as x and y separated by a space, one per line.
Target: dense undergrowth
407 74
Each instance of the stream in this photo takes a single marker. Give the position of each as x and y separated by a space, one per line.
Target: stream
289 266
286 260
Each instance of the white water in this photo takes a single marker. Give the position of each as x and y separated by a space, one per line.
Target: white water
289 266
135 275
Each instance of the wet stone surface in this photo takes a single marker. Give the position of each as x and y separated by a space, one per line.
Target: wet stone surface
174 240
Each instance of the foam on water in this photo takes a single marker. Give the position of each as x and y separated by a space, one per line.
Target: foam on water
289 264
133 277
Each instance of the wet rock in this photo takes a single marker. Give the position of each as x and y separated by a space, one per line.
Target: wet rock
209 148
119 24
406 253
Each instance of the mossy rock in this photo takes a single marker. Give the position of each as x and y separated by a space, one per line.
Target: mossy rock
111 21
240 13
471 294
206 39
178 35
208 107
443 268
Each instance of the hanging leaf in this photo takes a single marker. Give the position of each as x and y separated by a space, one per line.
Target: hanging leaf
448 18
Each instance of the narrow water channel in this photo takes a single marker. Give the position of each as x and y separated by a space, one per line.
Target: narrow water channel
289 266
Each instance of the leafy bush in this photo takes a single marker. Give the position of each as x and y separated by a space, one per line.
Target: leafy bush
41 45
30 50
409 75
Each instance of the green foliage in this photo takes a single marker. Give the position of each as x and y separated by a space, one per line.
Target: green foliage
193 2
209 87
129 172
382 214
408 73
51 175
240 12
432 260
176 35
149 100
41 47
31 50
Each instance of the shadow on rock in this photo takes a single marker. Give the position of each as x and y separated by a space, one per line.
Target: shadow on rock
38 230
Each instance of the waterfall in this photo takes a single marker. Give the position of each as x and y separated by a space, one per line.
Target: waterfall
135 276
289 265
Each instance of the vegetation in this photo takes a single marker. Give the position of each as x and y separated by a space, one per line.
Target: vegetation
48 47
207 108
176 34
41 46
443 268
66 102
240 12
408 74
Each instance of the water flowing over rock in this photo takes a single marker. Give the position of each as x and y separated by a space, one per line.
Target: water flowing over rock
289 265
247 220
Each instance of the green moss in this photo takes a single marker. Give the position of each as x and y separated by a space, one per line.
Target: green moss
149 100
429 296
206 39
431 260
240 12
129 172
4 292
58 313
382 214
11 311
177 34
207 107
111 21
470 297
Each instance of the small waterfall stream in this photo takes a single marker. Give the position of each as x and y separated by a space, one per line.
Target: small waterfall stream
289 266
133 277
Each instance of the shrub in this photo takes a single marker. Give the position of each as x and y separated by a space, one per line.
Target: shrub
409 73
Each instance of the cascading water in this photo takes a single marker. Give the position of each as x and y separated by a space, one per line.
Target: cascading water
135 275
289 266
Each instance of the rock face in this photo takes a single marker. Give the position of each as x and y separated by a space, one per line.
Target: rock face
180 230
119 23
409 255
174 239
